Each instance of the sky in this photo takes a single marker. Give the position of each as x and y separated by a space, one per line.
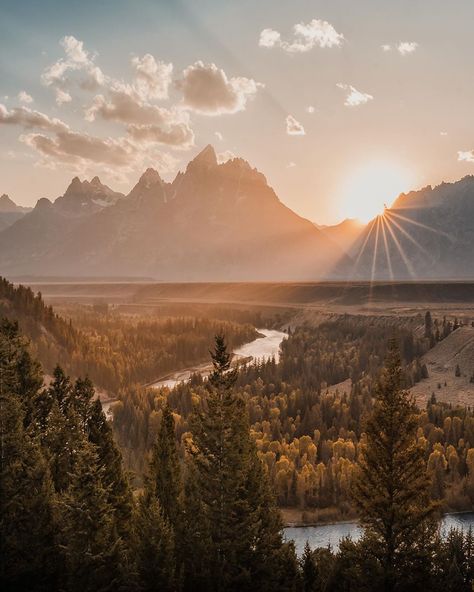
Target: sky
340 104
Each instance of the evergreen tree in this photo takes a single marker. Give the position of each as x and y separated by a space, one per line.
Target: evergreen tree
153 545
28 551
392 488
239 518
309 570
164 476
119 495
93 549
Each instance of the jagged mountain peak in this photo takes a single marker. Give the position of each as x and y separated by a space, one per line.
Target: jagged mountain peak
149 186
207 158
43 204
150 177
7 204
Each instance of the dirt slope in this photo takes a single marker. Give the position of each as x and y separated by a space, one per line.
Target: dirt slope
441 361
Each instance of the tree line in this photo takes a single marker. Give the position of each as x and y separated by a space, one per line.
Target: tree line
69 521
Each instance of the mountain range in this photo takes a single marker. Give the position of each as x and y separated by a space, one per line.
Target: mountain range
223 222
214 221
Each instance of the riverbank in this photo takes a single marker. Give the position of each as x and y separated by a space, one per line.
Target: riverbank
324 535
266 345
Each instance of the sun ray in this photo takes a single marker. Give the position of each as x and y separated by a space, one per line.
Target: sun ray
387 251
430 228
362 249
400 250
374 259
409 236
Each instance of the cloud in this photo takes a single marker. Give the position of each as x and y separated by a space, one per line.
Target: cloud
62 96
29 119
219 136
443 133
403 47
152 78
207 90
354 97
269 38
294 127
177 135
291 165
225 156
406 47
75 50
310 109
118 158
24 97
77 60
316 33
72 146
466 155
145 122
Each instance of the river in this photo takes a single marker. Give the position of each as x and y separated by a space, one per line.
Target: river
330 534
263 347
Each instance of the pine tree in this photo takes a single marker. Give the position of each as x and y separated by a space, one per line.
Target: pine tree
28 551
153 546
238 518
93 548
164 476
309 570
392 487
110 462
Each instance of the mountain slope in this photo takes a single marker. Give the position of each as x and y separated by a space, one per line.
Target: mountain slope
214 222
10 212
426 234
344 234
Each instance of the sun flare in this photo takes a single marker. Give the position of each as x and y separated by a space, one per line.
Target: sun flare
368 189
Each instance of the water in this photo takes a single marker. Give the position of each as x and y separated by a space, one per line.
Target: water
330 534
261 348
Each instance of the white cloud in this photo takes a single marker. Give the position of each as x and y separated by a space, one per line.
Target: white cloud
152 78
24 97
466 155
77 60
225 156
62 96
406 47
294 127
310 109
316 33
219 136
354 97
75 50
29 119
443 133
207 90
269 38
386 47
291 165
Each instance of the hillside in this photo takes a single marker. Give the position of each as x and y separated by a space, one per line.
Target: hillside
426 234
455 350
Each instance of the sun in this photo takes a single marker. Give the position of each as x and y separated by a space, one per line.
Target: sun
368 189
